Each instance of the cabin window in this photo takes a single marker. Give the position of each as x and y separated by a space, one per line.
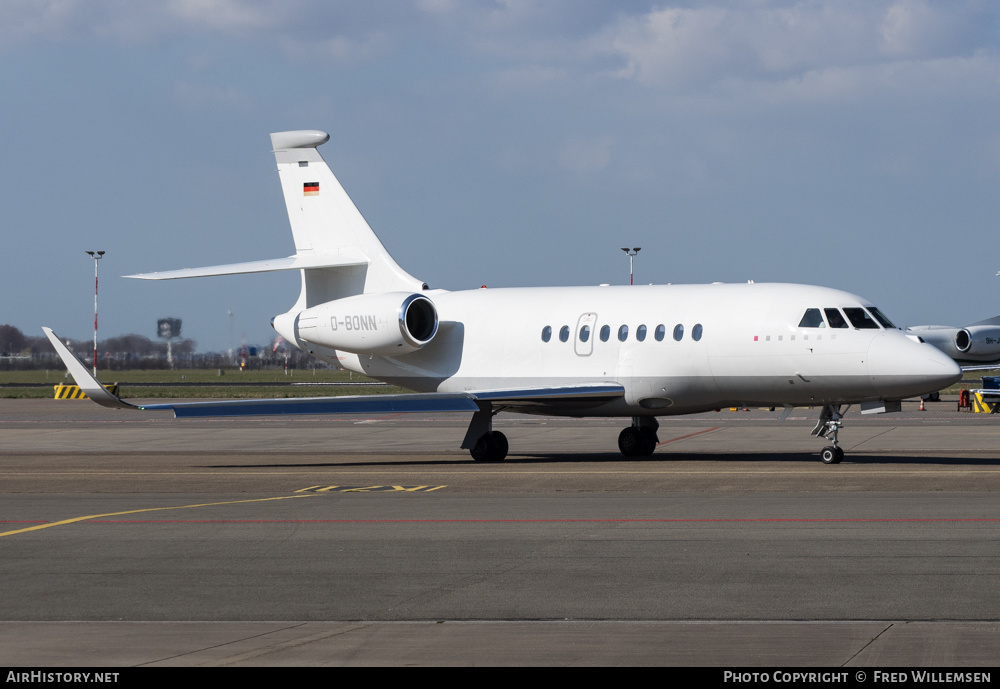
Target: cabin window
584 333
564 333
640 333
605 333
696 332
812 319
860 318
546 333
660 332
834 317
678 332
623 333
880 317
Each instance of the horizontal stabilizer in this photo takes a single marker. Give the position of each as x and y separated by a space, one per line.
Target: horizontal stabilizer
344 259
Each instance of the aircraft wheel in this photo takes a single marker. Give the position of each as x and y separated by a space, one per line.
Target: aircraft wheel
483 448
831 455
648 437
630 442
500 446
491 447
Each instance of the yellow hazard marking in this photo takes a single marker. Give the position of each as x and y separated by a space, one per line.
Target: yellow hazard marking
73 392
148 509
69 392
981 406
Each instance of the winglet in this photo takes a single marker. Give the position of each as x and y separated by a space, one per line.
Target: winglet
90 385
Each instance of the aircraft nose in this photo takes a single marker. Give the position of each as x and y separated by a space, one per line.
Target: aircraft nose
901 367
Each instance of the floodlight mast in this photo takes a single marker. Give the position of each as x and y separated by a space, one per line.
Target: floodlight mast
631 255
97 256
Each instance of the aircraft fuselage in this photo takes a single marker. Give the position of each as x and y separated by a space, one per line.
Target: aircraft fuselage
676 349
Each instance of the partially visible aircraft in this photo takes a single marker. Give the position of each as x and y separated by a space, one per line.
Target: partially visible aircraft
637 352
973 347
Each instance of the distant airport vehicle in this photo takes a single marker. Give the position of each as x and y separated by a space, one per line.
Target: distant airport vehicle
624 351
974 346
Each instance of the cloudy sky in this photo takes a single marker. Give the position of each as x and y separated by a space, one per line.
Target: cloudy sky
847 143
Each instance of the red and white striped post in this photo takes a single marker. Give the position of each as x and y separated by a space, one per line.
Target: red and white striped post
631 255
97 256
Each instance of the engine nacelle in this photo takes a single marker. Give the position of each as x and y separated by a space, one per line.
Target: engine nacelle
980 342
975 343
384 324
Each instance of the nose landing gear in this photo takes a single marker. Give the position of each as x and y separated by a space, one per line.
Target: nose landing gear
828 426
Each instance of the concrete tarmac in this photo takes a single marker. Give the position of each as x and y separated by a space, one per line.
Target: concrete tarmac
137 539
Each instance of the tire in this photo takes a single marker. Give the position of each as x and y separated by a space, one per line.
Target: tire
831 455
648 437
500 446
630 442
484 448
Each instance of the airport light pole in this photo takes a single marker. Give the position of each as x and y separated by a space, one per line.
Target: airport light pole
631 256
97 256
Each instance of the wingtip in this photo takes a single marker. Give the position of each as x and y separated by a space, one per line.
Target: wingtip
82 377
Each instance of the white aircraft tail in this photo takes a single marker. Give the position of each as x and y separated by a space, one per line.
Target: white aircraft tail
326 223
335 249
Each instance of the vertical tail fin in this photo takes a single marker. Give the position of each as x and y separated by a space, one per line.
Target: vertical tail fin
325 222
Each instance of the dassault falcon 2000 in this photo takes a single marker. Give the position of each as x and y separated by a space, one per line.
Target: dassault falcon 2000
638 352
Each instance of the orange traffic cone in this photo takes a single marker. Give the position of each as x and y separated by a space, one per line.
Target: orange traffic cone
922 404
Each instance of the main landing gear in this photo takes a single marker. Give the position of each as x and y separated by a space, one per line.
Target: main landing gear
639 439
482 442
491 447
828 426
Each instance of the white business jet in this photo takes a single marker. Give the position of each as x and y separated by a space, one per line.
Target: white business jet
634 352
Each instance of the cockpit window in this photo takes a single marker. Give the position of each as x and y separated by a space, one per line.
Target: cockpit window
860 319
812 319
835 319
880 317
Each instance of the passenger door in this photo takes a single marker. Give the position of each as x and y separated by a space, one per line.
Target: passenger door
583 340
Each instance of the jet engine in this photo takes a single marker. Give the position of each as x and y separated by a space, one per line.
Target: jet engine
973 343
979 342
384 324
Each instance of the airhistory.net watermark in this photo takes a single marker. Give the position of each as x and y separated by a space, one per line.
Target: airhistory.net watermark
61 677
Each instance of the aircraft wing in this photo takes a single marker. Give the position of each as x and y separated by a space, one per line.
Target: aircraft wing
537 398
533 398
